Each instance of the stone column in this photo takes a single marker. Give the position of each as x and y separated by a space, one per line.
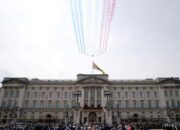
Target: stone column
162 101
82 98
102 98
89 97
95 104
21 97
1 96
161 97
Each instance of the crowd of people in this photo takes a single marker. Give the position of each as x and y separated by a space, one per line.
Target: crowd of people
88 126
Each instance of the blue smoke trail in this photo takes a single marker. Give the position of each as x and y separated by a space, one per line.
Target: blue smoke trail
81 24
75 26
78 25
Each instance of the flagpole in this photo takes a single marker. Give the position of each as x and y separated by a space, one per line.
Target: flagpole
92 67
92 63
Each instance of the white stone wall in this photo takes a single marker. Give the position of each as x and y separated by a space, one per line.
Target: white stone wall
130 97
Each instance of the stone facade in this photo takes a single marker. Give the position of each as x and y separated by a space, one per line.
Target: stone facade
90 98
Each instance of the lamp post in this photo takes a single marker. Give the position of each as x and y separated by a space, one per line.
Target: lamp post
77 94
76 106
168 119
66 113
118 113
107 94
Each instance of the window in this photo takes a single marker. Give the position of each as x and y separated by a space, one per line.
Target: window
43 95
170 93
119 94
134 104
65 103
141 94
3 103
35 94
157 104
17 94
5 94
149 104
11 93
58 94
155 94
57 104
126 94
134 94
42 105
127 104
50 94
178 103
34 104
148 94
26 104
70 96
99 102
62 95
165 93
28 94
176 93
49 104
65 94
112 95
10 103
142 103
172 103
15 104
167 103
119 103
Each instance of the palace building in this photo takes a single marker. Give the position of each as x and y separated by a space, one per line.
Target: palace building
90 98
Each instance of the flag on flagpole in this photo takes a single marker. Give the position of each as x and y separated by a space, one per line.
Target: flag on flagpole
94 66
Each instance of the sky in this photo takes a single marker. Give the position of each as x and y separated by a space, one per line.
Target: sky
37 40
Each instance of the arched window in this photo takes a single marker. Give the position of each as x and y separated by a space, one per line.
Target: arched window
11 93
17 93
26 105
42 104
5 93
49 104
157 104
34 104
57 104
127 104
10 103
134 104
142 103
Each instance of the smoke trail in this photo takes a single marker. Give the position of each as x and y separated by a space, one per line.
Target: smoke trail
109 23
106 22
81 26
78 24
102 26
75 26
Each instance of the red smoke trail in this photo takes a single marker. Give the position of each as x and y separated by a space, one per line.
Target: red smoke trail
104 23
109 22
102 26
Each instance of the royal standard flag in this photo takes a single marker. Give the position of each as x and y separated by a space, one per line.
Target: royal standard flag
97 67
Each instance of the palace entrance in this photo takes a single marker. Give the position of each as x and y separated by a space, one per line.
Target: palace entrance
48 118
92 117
